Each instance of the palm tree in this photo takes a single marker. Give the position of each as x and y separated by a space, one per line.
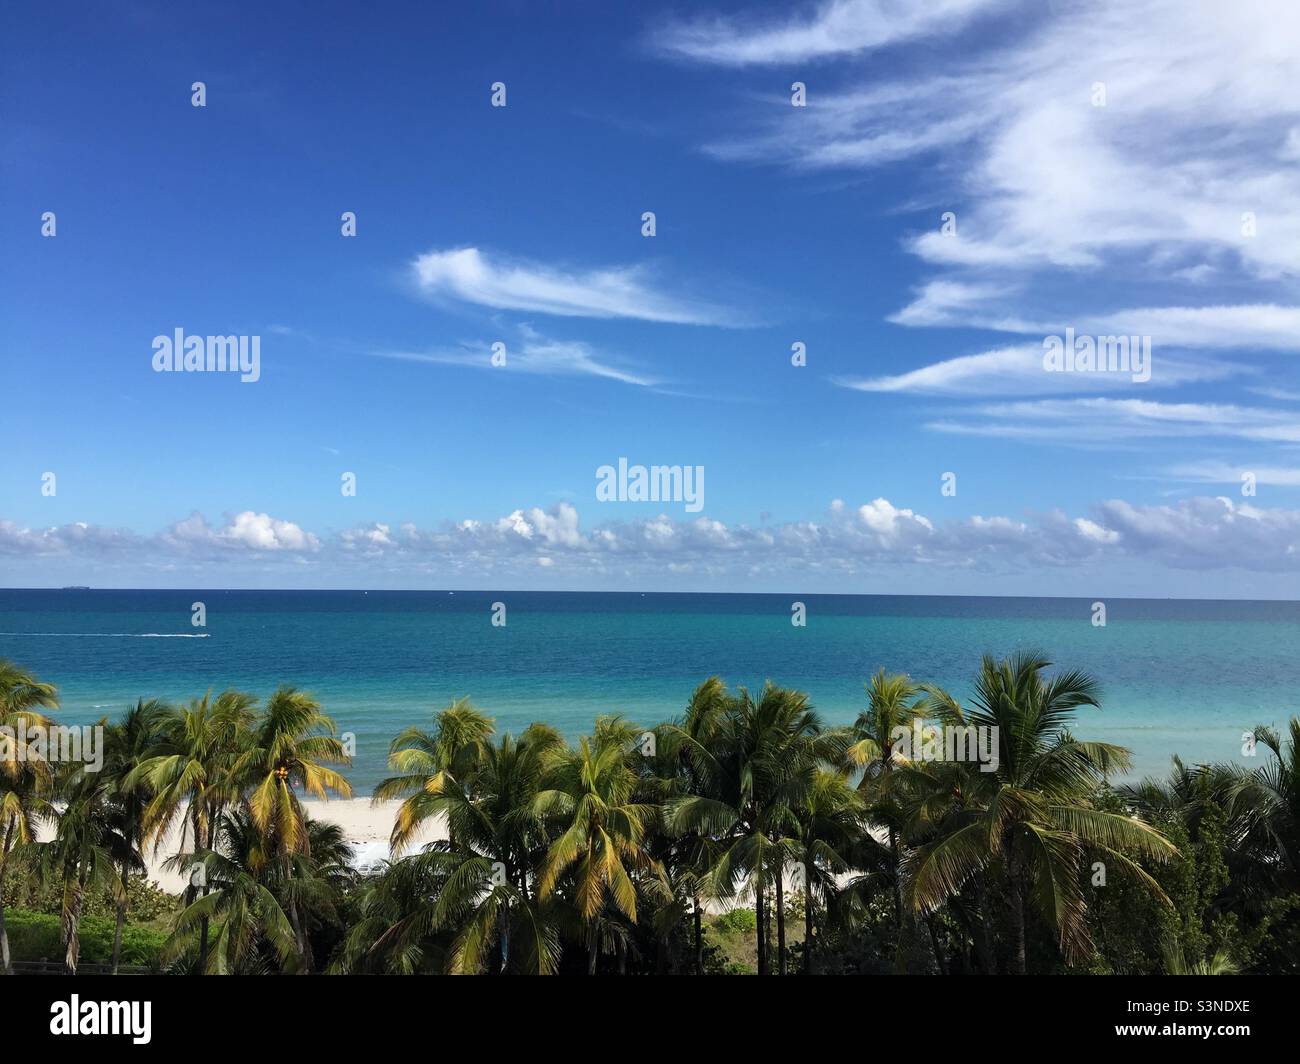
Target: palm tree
241 906
892 705
428 763
1267 802
129 744
22 780
1033 817
87 849
190 774
489 895
590 791
830 820
684 762
756 759
1220 962
291 745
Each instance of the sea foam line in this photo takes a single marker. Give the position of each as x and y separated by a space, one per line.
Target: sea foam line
114 635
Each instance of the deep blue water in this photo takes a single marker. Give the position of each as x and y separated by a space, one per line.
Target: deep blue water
1177 675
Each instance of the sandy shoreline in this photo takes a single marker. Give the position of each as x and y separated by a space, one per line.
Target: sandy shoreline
365 825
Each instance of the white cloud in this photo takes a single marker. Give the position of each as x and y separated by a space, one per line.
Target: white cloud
70 538
1218 472
1019 371
534 354
468 275
834 27
1199 130
1089 421
247 530
1200 533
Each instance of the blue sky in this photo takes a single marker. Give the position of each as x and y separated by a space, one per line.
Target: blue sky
775 224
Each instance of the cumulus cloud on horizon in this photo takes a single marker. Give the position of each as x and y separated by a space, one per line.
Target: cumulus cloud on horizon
1199 533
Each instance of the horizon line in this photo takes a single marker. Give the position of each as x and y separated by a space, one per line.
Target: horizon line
643 594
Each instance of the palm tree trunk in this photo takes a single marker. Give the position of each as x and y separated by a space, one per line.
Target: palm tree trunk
760 922
807 926
780 922
988 956
505 940
121 919
939 958
72 927
305 956
699 939
4 867
592 952
898 891
200 844
1017 921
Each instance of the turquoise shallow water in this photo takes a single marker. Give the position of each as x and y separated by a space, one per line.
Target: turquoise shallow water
1178 676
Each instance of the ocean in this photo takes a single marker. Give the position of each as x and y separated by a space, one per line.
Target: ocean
1178 676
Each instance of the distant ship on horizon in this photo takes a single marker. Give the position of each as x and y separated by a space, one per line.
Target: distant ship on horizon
76 587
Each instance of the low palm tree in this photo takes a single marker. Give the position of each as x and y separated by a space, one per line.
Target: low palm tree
1266 803
471 905
247 920
1032 818
427 763
590 791
129 743
290 747
190 774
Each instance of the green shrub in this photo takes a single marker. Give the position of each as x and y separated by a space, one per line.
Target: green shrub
741 921
37 936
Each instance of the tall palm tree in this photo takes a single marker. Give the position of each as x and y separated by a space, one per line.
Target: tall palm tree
129 743
830 820
684 762
1032 818
428 763
22 780
190 774
757 760
892 704
590 791
291 746
87 849
489 895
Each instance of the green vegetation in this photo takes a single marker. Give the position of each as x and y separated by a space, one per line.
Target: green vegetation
743 836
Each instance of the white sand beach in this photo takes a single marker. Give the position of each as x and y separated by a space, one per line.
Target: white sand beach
365 825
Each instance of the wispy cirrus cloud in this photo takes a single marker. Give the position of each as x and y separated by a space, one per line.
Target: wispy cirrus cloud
1091 421
1136 143
831 28
1018 370
1257 326
1219 472
471 276
535 355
